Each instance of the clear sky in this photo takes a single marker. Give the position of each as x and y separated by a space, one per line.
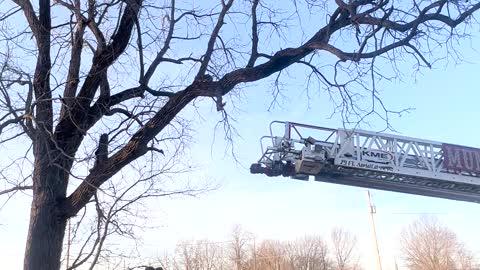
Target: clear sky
445 99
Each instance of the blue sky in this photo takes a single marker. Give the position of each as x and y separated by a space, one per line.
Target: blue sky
445 99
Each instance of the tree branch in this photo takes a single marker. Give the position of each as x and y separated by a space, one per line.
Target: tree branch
137 146
213 38
74 66
254 50
164 49
15 189
69 129
30 15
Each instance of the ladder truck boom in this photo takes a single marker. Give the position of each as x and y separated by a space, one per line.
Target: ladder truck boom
371 160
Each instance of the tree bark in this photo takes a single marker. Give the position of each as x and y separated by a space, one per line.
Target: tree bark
47 224
45 237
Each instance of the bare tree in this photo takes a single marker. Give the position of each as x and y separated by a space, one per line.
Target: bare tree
308 253
187 256
465 258
239 247
111 77
344 245
199 255
271 255
429 245
119 216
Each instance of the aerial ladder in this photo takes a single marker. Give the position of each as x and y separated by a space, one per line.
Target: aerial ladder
371 160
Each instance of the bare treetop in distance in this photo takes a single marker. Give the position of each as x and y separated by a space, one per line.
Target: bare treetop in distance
344 245
309 252
111 77
427 244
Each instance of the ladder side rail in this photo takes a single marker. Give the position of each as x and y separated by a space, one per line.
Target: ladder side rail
406 154
440 176
396 150
397 138
289 126
336 145
414 148
312 126
371 140
379 142
417 153
413 172
413 157
382 143
401 151
423 154
400 137
271 129
427 153
439 160
261 142
358 141
331 135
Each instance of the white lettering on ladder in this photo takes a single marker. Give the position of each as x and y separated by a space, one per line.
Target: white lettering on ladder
365 165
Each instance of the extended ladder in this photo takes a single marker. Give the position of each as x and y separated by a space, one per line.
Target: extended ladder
372 160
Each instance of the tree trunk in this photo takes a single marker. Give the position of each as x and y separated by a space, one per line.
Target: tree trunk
47 226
